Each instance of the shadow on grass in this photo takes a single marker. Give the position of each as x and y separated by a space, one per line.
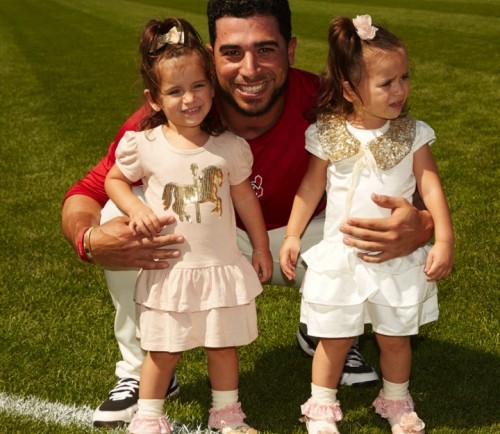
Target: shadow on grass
453 387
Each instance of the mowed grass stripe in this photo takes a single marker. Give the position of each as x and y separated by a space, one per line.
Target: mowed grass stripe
69 79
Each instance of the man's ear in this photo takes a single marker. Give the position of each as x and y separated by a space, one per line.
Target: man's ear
149 98
292 46
348 92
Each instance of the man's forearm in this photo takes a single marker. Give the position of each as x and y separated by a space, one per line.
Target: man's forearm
78 212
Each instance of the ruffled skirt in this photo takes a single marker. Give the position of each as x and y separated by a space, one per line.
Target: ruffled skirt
183 308
179 289
214 328
341 293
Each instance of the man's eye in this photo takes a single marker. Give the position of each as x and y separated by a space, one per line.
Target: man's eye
232 54
266 50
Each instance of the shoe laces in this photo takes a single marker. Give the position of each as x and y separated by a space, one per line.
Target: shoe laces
125 388
354 358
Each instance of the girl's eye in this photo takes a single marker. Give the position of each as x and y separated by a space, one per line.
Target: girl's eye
173 92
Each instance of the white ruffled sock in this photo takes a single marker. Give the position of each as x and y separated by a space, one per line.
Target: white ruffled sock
326 396
323 394
395 392
150 407
223 398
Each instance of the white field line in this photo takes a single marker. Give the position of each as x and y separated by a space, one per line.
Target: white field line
48 412
66 415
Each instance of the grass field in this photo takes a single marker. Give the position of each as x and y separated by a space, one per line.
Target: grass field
68 81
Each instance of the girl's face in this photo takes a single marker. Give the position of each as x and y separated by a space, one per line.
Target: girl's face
185 92
383 89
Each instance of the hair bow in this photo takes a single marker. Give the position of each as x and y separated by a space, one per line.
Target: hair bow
364 28
173 36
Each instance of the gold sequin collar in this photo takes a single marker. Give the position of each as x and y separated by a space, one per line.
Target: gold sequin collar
387 150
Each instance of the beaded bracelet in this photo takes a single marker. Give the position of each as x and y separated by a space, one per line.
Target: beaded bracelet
291 235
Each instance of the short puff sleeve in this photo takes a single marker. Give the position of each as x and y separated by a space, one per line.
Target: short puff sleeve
127 156
313 144
424 135
242 160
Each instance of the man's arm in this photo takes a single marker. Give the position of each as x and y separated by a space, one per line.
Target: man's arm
402 233
113 244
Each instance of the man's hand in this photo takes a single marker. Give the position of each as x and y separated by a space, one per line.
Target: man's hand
115 245
398 235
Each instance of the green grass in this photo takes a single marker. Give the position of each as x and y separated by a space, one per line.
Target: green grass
68 81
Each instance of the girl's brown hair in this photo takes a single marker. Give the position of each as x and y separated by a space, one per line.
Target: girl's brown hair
154 49
345 63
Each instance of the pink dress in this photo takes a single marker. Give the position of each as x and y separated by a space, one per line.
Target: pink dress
206 297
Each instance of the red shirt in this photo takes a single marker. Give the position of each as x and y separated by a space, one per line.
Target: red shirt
280 157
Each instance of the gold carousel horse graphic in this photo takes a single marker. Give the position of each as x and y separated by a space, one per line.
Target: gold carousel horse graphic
204 189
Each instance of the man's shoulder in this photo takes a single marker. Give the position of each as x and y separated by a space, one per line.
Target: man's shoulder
305 78
302 86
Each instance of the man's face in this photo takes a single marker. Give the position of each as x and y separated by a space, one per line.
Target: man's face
251 61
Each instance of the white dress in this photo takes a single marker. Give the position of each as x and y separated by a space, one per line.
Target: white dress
340 288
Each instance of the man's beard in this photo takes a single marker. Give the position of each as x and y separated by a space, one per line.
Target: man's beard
275 96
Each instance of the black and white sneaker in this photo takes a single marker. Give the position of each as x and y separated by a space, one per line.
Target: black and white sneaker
356 371
121 404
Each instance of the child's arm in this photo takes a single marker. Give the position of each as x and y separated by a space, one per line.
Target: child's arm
440 260
248 208
308 195
142 219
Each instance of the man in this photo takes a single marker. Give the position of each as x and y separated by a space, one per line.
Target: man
266 101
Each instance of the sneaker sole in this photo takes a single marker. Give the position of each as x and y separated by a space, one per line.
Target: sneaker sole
172 393
112 424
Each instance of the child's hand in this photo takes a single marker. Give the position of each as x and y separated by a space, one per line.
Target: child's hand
262 262
439 261
144 221
289 254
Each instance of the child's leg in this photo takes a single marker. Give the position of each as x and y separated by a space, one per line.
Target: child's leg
394 401
328 361
156 372
322 409
226 413
223 368
395 357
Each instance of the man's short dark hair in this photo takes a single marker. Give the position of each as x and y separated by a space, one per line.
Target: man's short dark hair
280 9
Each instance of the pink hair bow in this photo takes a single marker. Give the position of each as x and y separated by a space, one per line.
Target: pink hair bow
364 28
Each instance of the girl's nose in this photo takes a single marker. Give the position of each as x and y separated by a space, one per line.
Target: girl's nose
188 97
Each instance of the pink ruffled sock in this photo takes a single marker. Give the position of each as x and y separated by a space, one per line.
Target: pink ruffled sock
226 414
322 411
396 405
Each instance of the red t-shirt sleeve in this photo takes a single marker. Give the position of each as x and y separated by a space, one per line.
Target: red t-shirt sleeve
92 184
